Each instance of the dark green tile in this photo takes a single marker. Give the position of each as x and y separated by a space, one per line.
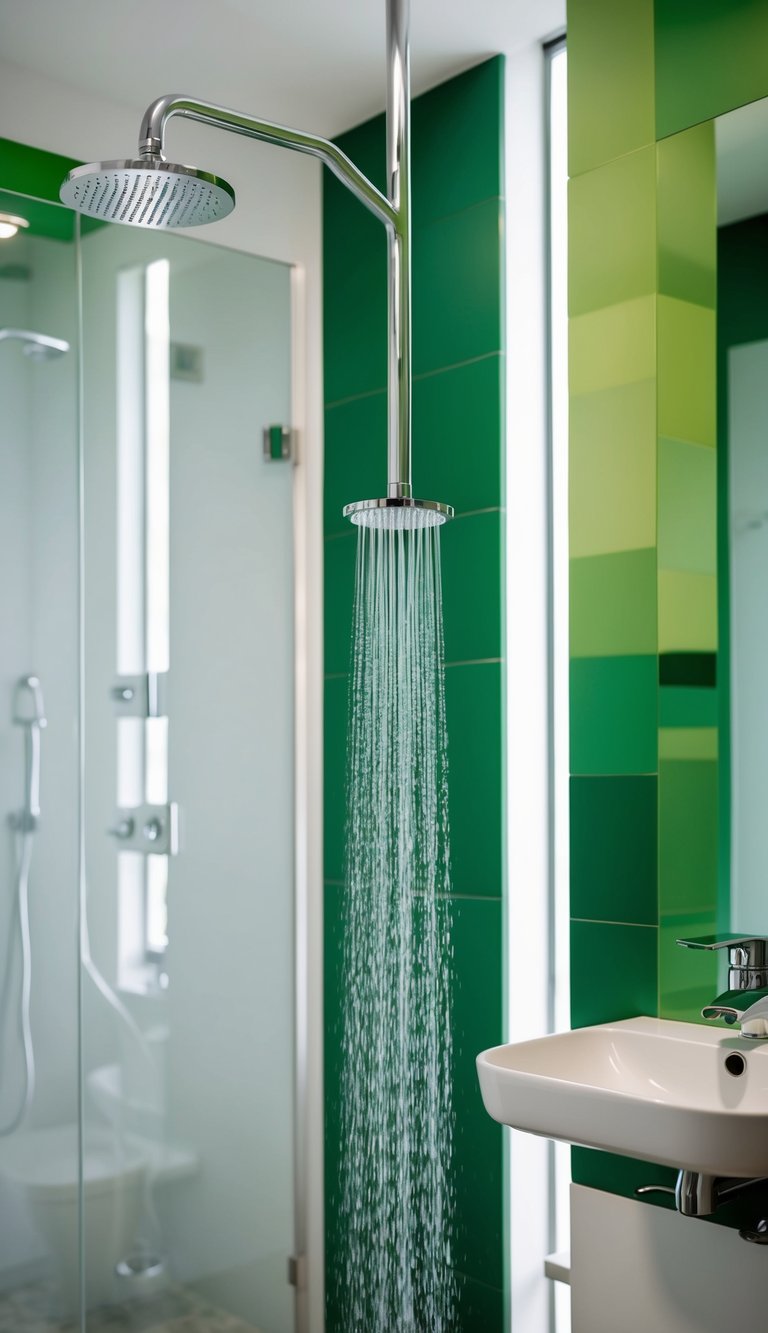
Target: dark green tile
475 745
338 603
457 142
613 849
33 171
481 1308
620 1175
355 457
613 972
710 58
688 803
334 776
613 717
687 706
477 1024
457 288
457 435
472 580
354 296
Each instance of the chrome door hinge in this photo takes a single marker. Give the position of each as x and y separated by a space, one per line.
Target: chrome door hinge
297 1271
152 829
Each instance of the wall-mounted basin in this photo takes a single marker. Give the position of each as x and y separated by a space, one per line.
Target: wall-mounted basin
679 1094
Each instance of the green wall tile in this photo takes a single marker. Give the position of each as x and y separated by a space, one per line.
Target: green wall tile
612 347
481 1308
612 232
613 972
458 143
457 425
620 1175
710 58
687 216
613 604
612 469
355 457
613 849
610 80
687 371
472 605
477 1024
687 707
32 171
334 775
688 978
687 506
688 864
687 611
339 560
688 743
354 297
613 715
475 744
458 257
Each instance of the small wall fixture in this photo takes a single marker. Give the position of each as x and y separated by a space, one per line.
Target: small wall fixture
10 224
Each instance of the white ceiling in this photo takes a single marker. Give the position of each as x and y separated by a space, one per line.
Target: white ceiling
318 64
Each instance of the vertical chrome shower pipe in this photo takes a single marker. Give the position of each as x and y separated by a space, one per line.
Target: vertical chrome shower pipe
399 240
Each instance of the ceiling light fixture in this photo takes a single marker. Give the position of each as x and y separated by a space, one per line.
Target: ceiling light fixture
9 225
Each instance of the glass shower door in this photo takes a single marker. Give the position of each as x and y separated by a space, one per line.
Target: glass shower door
188 1014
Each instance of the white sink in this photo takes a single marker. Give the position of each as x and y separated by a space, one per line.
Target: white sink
643 1087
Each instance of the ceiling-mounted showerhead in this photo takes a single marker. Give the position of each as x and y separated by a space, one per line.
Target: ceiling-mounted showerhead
398 513
37 346
148 192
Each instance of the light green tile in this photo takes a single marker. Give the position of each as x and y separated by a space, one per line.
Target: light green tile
687 507
613 604
612 233
687 611
613 346
610 80
613 972
687 215
613 719
688 836
688 743
612 469
687 371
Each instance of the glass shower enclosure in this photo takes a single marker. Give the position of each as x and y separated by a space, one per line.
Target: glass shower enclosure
147 1015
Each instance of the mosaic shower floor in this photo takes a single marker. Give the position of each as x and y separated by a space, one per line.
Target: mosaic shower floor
175 1310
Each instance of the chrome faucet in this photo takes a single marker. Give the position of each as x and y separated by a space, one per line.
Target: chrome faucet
746 1000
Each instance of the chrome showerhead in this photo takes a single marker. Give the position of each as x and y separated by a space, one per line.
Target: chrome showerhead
398 513
148 192
37 346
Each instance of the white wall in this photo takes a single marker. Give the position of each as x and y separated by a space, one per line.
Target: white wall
278 216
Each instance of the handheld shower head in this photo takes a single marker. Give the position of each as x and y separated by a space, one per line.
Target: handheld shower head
148 192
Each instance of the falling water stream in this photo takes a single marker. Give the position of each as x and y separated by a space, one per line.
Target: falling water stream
396 1275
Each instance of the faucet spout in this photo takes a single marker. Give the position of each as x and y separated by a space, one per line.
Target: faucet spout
748 1008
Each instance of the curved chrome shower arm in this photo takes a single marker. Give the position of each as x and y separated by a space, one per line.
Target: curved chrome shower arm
157 115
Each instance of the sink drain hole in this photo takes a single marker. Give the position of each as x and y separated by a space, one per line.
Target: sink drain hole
735 1064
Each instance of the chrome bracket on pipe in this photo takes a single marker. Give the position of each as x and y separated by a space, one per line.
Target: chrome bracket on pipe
394 211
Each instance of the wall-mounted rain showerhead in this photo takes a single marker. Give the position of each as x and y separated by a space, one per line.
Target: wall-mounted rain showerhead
37 346
148 192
